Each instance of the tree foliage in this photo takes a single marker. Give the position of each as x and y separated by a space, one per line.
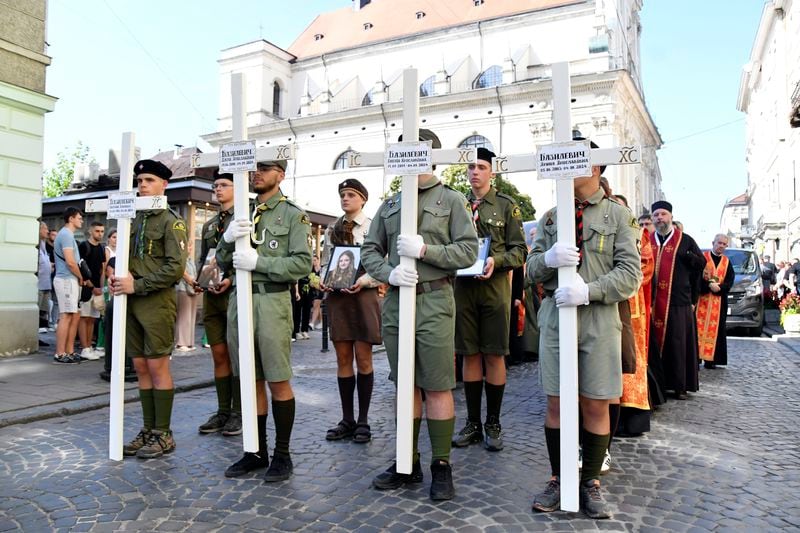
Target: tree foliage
57 179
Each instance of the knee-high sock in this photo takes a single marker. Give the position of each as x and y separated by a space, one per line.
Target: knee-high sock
364 382
163 398
553 438
224 390
441 435
236 395
494 400
594 451
415 444
261 422
347 386
473 390
613 415
283 412
148 408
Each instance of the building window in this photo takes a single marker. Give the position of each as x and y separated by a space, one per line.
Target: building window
343 161
367 26
367 100
598 44
491 77
476 141
426 89
420 15
276 99
318 37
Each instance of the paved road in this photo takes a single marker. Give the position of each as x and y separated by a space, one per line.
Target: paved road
724 460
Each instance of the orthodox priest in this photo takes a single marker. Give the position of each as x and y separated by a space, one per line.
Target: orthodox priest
712 308
676 287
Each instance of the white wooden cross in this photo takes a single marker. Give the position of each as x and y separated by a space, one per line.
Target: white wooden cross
567 316
408 295
244 278
120 301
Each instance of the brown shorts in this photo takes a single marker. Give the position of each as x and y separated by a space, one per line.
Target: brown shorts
355 317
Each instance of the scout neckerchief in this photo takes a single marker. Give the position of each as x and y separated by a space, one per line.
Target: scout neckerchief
665 267
223 216
476 203
139 239
709 307
342 233
579 207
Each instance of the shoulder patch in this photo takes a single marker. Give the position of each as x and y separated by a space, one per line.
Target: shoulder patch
634 223
516 212
179 225
468 207
304 219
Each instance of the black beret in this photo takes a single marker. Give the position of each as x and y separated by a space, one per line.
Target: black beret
485 154
661 204
222 175
148 166
355 186
427 135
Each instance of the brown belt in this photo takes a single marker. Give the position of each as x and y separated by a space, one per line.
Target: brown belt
435 285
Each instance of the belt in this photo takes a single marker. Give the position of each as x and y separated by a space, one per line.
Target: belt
265 287
430 286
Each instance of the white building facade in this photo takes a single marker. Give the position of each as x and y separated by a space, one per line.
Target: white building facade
485 79
769 93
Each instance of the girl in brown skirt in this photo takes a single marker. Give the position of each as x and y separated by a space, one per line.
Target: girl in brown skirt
355 314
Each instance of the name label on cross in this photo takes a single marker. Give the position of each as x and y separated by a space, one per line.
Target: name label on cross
407 158
568 160
122 204
238 157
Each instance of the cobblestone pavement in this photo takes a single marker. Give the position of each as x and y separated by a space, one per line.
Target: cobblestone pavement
727 459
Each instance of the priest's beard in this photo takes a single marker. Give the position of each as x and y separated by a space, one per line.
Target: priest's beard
663 228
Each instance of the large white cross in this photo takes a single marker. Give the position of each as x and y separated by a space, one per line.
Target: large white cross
120 301
567 316
244 278
408 295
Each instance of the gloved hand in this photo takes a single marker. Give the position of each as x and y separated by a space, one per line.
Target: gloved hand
410 246
237 228
403 276
572 295
561 255
245 260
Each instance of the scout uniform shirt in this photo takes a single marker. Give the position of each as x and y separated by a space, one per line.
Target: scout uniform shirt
158 250
500 218
212 236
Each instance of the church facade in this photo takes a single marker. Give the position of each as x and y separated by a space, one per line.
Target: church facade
484 80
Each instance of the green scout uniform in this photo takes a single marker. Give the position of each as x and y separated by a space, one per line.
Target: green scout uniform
283 235
215 306
157 262
484 307
445 223
611 267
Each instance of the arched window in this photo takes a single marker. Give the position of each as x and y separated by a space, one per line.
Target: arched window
476 141
343 161
367 100
426 89
491 77
276 99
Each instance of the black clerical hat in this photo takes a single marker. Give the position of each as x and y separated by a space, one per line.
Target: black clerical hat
661 204
148 166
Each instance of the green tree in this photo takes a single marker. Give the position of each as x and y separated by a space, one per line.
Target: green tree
57 179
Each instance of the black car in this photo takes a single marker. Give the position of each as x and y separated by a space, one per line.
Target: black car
746 297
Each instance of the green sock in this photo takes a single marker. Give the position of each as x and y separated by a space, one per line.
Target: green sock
553 438
283 413
236 403
441 435
415 443
594 451
148 407
223 386
162 398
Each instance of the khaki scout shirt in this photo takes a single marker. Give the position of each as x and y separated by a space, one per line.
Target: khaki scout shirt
499 217
611 263
212 236
444 220
158 250
283 235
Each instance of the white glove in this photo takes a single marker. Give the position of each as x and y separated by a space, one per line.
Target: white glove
403 276
245 260
573 295
237 228
561 255
410 246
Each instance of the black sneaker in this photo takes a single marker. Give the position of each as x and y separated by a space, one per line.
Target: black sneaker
442 481
390 479
248 463
138 442
234 425
471 434
215 423
493 441
592 501
550 498
280 469
64 359
76 357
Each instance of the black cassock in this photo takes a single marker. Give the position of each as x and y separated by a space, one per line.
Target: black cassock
721 346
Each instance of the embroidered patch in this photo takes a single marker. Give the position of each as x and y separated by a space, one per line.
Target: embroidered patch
516 212
273 244
633 223
179 225
310 241
304 219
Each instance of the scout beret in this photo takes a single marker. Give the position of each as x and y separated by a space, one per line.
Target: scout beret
355 186
661 204
222 175
427 135
281 163
485 155
148 166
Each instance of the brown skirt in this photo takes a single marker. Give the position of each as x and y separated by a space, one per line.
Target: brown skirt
355 317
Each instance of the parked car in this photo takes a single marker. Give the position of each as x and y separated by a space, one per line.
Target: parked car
746 297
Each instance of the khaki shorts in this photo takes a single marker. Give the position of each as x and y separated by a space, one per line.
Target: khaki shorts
272 319
68 292
151 324
434 366
88 310
215 317
483 313
599 350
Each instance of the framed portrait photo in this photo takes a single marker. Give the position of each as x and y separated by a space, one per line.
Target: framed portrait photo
343 267
483 253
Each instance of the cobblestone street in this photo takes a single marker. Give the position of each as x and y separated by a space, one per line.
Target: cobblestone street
727 459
